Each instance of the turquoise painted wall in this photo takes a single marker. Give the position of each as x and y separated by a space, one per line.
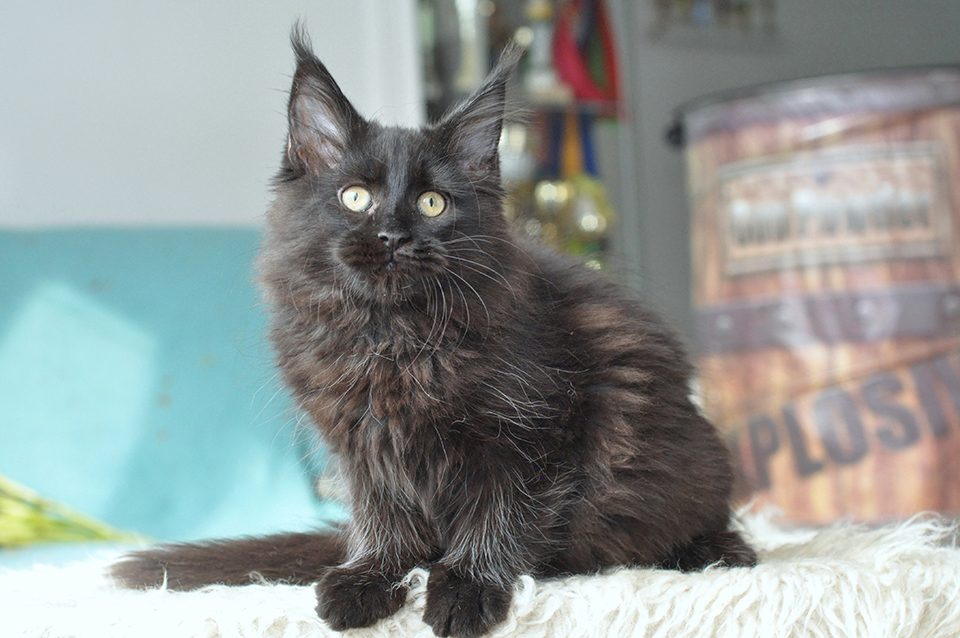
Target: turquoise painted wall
136 383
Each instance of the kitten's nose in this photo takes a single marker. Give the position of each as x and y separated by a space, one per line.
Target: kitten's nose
393 239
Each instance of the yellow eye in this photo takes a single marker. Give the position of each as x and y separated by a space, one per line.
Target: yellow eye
356 198
431 204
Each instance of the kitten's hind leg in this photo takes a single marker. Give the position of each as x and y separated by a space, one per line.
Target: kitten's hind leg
298 559
725 548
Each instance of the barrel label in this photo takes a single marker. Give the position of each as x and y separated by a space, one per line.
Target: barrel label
837 205
892 410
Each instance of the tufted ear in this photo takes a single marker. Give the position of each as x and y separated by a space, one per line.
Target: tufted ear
473 127
322 120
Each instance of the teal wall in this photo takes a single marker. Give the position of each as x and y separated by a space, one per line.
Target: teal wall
137 386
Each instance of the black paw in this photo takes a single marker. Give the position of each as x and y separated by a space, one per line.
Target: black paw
356 597
462 606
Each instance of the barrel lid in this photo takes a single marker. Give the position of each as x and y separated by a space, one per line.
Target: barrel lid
881 90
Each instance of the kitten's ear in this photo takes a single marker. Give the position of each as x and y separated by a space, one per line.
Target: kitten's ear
321 118
473 128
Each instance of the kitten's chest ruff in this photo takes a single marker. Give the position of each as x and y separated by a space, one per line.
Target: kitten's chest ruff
358 375
377 395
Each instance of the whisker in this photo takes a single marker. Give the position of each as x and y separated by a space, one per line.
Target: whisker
498 278
466 308
479 297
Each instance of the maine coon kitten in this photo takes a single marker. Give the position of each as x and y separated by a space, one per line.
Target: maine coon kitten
497 409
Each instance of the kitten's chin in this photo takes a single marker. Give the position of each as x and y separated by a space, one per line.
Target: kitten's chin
387 282
384 277
409 273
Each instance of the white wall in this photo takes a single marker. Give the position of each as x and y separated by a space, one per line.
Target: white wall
817 37
137 113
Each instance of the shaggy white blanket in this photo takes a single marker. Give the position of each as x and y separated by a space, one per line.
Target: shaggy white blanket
900 580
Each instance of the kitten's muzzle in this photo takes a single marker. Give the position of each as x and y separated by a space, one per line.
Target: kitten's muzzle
393 239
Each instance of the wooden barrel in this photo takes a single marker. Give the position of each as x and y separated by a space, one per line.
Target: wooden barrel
826 283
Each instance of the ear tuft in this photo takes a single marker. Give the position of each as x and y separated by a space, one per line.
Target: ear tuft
322 121
474 126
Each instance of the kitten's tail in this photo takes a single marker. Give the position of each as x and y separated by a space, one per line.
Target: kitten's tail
296 558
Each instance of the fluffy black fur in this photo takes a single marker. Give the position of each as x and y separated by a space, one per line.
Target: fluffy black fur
498 409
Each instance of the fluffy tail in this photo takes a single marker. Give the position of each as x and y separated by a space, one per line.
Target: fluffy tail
297 559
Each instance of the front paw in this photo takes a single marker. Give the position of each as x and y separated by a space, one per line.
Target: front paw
462 606
357 597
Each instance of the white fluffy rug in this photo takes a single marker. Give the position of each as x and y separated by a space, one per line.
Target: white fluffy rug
901 580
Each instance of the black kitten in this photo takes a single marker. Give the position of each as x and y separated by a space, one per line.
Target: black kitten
497 409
